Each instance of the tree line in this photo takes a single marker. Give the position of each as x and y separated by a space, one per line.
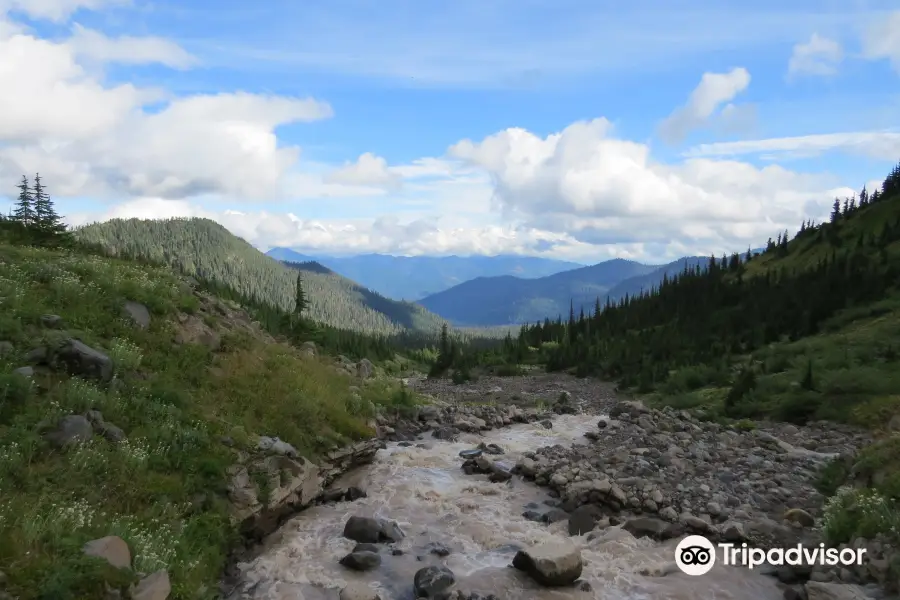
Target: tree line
711 314
33 218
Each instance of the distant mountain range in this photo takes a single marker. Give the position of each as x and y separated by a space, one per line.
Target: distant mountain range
488 301
415 277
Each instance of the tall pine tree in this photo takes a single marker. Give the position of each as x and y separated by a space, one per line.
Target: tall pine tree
46 220
24 210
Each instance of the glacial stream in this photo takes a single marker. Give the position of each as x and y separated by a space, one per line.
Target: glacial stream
426 492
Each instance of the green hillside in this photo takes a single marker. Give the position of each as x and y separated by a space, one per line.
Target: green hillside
806 329
205 249
172 402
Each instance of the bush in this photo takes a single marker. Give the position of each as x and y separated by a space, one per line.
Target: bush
865 513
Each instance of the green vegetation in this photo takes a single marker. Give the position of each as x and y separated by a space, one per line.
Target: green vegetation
160 483
206 250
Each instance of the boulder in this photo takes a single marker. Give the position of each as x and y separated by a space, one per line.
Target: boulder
551 564
82 360
137 313
112 549
365 368
432 582
358 591
69 431
363 560
152 587
584 518
371 530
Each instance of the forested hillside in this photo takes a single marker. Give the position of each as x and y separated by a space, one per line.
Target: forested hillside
806 329
205 249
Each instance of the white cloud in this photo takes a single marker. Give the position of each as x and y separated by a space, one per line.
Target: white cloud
601 190
713 90
95 138
56 10
819 56
882 145
94 45
881 40
367 170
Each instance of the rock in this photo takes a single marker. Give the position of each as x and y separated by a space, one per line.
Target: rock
69 431
470 454
547 424
551 564
362 560
308 348
491 449
358 591
26 372
110 432
650 527
429 413
111 548
137 313
817 590
584 518
365 368
6 348
80 359
370 530
432 582
276 446
153 587
799 516
438 549
52 321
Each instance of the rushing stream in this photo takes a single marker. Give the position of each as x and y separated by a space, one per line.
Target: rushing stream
426 492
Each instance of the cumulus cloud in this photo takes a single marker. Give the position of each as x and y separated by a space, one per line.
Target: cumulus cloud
95 138
819 56
713 91
367 170
881 40
126 49
600 189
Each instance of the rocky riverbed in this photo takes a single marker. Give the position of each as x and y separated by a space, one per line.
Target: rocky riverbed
551 487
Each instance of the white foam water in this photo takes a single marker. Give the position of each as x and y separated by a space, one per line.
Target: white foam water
426 492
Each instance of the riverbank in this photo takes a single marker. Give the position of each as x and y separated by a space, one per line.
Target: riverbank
638 475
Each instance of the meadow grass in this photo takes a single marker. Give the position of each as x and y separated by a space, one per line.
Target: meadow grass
163 489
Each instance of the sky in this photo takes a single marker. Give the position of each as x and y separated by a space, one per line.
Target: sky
575 129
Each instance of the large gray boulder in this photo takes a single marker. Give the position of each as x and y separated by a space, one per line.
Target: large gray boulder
82 360
551 564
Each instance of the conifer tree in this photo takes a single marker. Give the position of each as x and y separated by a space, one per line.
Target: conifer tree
47 222
300 301
24 210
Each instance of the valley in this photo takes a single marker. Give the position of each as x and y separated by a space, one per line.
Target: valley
177 423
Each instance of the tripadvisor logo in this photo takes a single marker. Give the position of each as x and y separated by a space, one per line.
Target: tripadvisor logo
696 555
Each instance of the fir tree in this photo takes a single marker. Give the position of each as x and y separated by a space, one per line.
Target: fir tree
300 301
48 223
24 210
836 210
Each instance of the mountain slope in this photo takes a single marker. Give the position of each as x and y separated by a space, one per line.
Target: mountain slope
414 277
648 281
507 300
805 330
162 394
207 250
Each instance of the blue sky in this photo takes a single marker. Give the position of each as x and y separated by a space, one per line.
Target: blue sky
577 129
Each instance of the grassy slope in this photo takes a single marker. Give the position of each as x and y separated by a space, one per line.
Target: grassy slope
163 490
205 248
855 379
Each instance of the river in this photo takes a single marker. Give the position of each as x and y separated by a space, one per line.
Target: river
426 492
